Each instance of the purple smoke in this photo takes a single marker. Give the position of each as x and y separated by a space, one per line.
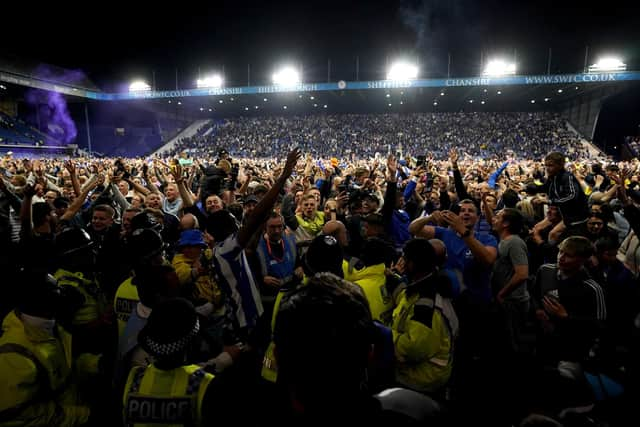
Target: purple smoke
54 117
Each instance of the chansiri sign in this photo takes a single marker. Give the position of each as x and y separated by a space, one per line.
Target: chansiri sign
320 87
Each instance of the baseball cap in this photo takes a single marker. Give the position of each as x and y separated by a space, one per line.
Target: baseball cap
251 199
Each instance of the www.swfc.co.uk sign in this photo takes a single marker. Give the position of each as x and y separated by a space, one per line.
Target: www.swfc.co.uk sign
383 84
319 87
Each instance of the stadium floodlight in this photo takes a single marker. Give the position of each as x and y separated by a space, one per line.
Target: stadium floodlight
608 63
402 71
212 81
499 67
286 76
139 86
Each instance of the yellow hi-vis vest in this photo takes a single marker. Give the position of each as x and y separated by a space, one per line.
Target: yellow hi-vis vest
307 230
424 331
154 396
39 376
125 302
372 281
94 300
269 365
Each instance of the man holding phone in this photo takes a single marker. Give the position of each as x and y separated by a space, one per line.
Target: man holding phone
569 305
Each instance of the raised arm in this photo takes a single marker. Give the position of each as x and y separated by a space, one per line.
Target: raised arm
185 194
461 190
150 185
137 187
262 209
74 176
77 203
14 200
25 211
390 193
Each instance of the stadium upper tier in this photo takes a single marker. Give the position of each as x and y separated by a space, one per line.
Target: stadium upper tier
482 135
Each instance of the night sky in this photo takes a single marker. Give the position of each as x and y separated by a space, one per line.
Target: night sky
130 40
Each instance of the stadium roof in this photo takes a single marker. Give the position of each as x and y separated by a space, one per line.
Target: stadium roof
511 93
137 40
22 67
436 99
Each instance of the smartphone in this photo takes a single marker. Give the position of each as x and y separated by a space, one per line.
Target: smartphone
421 160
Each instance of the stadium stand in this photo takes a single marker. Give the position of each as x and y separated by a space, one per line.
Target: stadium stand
479 135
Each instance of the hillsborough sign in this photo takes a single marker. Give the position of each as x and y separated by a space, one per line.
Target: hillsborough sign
384 84
319 87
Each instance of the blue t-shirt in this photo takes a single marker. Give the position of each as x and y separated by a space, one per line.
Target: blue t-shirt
476 277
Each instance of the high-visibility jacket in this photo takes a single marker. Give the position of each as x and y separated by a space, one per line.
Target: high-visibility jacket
38 374
204 287
307 230
424 330
269 364
125 302
172 397
373 281
94 304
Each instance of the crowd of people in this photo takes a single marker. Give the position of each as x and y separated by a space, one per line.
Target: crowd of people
483 135
487 276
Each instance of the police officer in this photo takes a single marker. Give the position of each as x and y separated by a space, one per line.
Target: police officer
146 248
92 324
39 385
323 338
424 323
323 255
168 391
